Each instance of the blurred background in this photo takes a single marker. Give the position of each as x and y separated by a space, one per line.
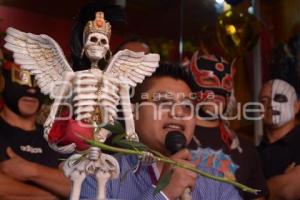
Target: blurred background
255 32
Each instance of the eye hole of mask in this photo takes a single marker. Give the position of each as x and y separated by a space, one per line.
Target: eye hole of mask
280 98
23 77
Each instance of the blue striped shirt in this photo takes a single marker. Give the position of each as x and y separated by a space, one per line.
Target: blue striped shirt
139 185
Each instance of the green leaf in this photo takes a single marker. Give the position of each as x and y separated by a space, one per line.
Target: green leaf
115 128
163 182
117 138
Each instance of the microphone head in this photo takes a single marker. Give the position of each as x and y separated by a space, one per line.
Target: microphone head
175 141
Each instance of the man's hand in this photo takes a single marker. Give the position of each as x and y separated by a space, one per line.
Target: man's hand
181 178
17 167
285 186
12 189
34 197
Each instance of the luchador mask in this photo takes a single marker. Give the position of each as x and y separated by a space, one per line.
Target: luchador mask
17 82
213 77
212 74
282 102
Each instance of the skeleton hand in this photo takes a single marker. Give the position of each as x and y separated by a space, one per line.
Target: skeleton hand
63 149
147 158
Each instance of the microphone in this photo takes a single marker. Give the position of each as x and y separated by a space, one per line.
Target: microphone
174 142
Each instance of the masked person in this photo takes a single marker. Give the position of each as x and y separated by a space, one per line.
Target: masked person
217 145
280 147
28 167
162 104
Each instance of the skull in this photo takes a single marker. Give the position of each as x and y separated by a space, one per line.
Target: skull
96 46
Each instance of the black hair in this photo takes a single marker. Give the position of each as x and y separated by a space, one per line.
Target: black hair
114 14
172 70
175 71
284 63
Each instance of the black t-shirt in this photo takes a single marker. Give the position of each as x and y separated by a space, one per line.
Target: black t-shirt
29 145
276 157
244 167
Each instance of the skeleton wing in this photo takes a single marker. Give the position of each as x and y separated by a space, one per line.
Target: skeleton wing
132 67
42 56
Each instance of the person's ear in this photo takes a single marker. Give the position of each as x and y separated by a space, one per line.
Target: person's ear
296 107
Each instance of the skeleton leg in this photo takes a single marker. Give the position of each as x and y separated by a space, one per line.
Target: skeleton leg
128 116
108 168
102 178
74 168
77 178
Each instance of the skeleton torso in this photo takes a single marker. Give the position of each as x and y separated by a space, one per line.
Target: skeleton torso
95 97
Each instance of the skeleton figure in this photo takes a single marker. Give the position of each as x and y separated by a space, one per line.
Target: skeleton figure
283 100
94 94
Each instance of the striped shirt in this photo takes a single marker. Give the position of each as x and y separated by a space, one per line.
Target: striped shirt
139 185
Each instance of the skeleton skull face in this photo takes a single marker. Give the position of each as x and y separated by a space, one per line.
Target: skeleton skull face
278 98
283 100
96 46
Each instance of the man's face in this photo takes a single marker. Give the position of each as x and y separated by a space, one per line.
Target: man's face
214 104
21 94
29 106
168 109
278 98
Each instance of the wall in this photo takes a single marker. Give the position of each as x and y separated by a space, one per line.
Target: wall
57 28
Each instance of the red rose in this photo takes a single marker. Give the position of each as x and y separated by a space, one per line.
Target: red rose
64 132
57 131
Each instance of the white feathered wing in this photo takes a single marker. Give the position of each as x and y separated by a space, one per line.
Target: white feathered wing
132 67
129 68
43 58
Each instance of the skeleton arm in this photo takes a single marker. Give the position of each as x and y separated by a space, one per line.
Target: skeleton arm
128 116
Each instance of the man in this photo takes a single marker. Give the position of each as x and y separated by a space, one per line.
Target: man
218 146
162 104
280 147
28 167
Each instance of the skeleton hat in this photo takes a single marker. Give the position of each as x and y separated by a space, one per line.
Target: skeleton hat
114 14
213 77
